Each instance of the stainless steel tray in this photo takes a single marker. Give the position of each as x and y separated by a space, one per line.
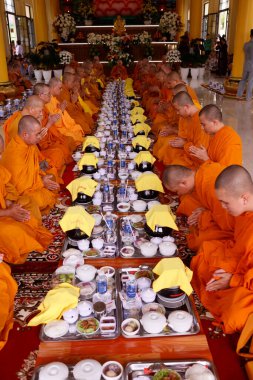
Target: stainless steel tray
169 332
80 337
36 373
140 234
133 369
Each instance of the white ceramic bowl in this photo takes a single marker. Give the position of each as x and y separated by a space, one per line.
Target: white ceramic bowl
83 245
108 271
167 248
56 329
148 295
133 197
71 315
199 372
70 251
153 203
86 272
97 243
135 174
74 260
85 308
127 251
98 219
168 238
100 162
139 205
65 269
130 326
132 155
153 322
143 283
148 249
123 175
54 371
87 369
123 206
156 240
180 321
109 366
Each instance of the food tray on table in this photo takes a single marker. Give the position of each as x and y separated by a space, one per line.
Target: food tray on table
135 312
134 371
109 249
126 203
129 246
108 327
37 370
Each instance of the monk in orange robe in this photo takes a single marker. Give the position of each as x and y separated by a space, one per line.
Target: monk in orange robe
8 290
119 71
98 70
225 145
34 107
206 217
72 107
222 270
88 92
19 216
65 124
22 159
53 138
189 133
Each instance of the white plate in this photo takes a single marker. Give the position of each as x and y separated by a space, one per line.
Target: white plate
56 329
135 218
65 269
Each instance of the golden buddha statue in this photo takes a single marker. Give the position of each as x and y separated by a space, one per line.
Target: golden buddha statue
119 26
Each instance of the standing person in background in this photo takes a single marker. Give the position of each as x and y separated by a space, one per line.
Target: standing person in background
19 49
223 57
247 75
208 44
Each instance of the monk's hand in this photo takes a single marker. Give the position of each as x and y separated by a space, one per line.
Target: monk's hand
49 183
18 213
62 105
74 97
194 217
53 118
178 142
44 165
219 281
200 153
43 132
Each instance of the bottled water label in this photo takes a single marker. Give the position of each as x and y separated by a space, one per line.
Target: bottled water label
102 286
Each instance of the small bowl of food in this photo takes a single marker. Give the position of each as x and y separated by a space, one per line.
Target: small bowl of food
167 248
148 249
130 326
87 289
108 271
88 326
127 251
123 206
123 175
139 205
112 370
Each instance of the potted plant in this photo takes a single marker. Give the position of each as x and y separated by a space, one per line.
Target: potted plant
170 24
149 12
65 26
34 59
50 59
86 12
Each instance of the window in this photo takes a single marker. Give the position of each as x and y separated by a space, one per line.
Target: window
205 19
206 9
223 17
28 11
224 4
9 6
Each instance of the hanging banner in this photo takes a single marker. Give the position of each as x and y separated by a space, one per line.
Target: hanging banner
105 8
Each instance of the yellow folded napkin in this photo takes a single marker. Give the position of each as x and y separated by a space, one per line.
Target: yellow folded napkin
172 272
58 300
139 118
144 156
77 217
87 159
149 181
142 141
91 140
84 106
162 216
142 127
137 111
84 185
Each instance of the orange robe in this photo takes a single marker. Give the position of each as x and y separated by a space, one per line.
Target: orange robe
66 125
32 236
231 306
10 126
22 161
8 290
75 111
214 223
190 129
119 72
225 147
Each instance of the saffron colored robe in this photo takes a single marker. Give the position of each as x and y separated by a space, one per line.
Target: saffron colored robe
231 307
8 290
22 161
18 239
119 72
214 223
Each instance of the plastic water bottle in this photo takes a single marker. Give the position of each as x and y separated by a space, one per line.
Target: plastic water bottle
101 284
122 191
106 192
127 229
109 220
110 166
131 288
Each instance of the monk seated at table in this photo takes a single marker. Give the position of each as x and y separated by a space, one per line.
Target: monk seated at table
34 107
87 92
223 269
119 71
22 159
54 139
98 71
8 290
225 146
189 133
16 78
65 124
91 80
72 107
206 217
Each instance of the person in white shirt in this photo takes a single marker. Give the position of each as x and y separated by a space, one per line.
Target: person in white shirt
19 49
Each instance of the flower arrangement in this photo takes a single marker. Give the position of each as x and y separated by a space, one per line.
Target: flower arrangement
45 56
174 56
170 23
64 25
86 9
149 11
65 57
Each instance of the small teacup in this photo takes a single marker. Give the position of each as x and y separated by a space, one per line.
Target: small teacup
97 201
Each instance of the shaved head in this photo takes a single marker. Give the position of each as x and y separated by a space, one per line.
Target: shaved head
69 69
174 75
53 82
179 179
234 189
235 180
27 124
39 88
178 88
211 112
33 101
182 99
68 78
